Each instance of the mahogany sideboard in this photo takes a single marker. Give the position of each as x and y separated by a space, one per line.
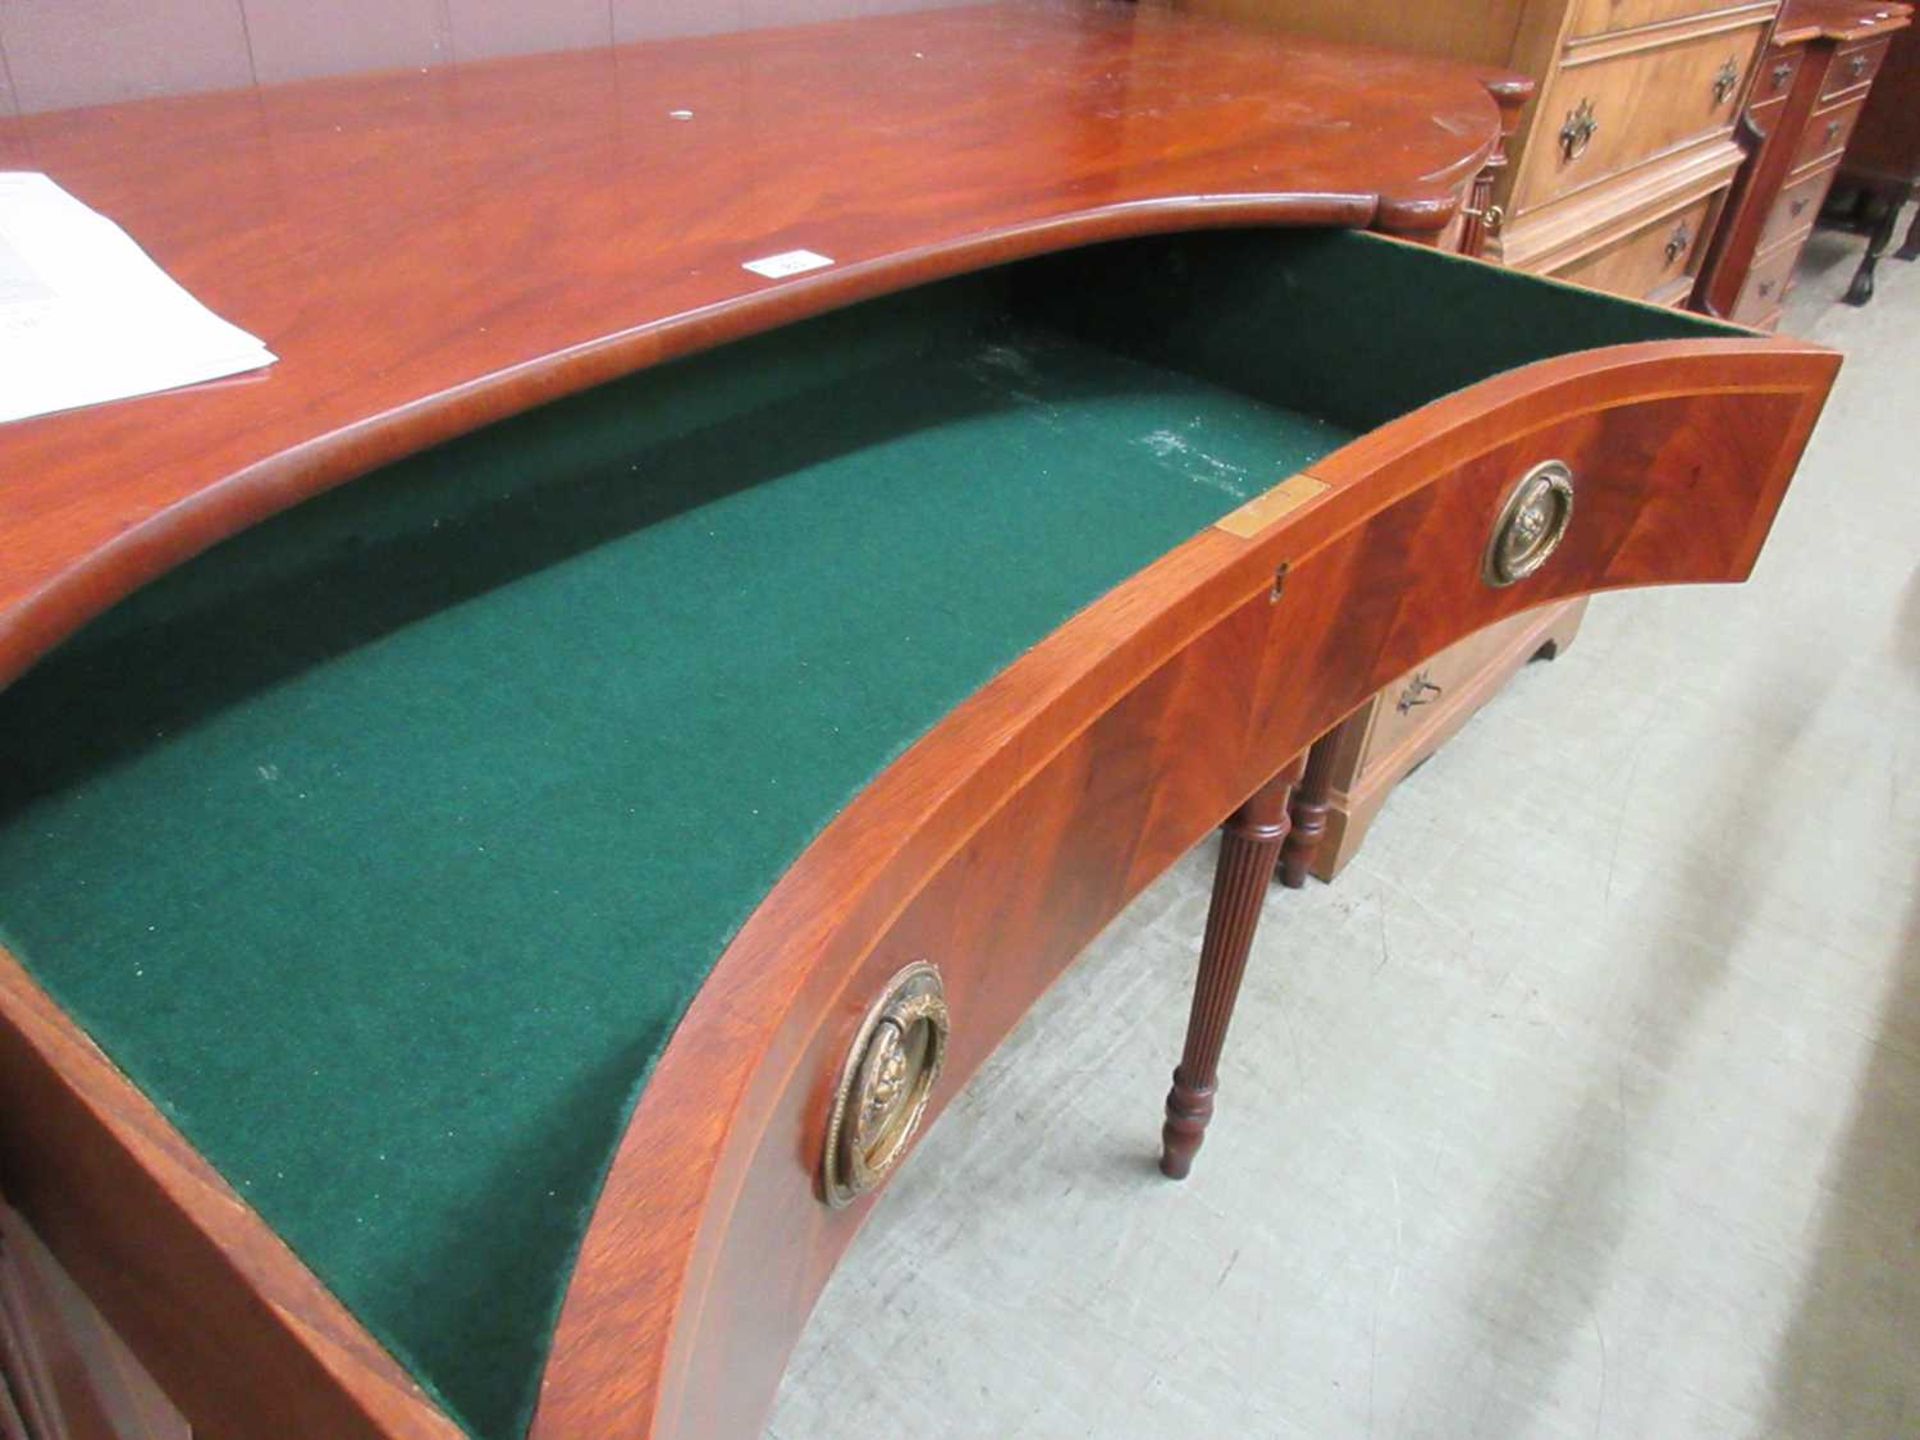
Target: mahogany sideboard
512 818
1815 79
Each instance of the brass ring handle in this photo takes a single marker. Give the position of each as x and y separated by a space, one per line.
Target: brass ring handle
1725 81
885 1083
1677 242
1578 131
1530 525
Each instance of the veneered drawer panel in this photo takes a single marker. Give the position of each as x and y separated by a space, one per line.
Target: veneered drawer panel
1768 281
1597 17
1826 134
1795 207
1603 116
1649 259
1854 66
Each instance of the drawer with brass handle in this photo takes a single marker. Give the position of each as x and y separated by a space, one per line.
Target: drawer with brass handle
1826 134
1776 75
1856 67
1767 283
1796 206
1610 113
1648 261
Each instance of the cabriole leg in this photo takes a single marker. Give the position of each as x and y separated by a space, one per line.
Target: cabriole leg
1249 849
1861 290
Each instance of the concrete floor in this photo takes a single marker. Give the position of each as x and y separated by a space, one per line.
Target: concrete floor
1586 1103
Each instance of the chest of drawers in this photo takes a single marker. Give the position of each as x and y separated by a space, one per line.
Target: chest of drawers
1814 84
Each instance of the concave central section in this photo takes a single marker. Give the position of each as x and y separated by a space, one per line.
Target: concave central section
384 846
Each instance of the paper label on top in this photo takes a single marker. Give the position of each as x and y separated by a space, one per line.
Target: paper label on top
86 316
787 262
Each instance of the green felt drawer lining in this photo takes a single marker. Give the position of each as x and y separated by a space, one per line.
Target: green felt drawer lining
385 845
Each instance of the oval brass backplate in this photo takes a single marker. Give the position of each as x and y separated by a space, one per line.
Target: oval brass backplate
1530 524
885 1083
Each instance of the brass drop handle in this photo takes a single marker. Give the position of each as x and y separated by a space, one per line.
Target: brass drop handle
1725 82
1795 207
1833 130
1766 288
1678 241
885 1084
1857 66
1491 218
1782 73
1579 130
1530 525
1420 691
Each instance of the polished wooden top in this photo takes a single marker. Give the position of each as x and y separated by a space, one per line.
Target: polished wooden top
430 251
1842 20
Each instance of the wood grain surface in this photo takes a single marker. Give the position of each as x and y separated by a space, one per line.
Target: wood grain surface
429 252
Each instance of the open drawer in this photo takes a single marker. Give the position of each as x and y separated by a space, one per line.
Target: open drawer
480 880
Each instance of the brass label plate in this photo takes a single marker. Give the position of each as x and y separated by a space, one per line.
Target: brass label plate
1261 511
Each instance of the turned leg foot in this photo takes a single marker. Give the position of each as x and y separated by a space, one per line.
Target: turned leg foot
1861 290
1308 810
1249 849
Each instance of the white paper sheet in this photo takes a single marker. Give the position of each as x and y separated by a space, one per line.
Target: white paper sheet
85 316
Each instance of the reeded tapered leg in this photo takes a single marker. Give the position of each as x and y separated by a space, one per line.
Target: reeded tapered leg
1308 810
1249 849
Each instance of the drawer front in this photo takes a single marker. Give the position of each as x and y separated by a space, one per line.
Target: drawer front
1855 66
1651 259
1795 207
1601 117
1407 705
1775 80
1768 281
1826 134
